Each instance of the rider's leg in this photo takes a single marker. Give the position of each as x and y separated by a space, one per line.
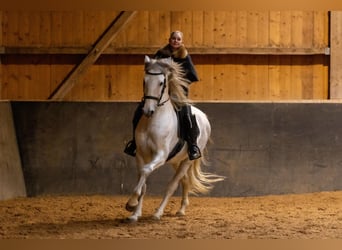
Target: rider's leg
192 132
131 147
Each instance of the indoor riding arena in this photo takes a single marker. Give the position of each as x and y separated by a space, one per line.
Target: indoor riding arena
270 84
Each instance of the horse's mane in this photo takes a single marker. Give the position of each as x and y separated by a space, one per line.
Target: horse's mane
175 77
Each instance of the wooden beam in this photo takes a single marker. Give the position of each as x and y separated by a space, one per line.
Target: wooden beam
226 50
136 50
336 55
100 45
1 42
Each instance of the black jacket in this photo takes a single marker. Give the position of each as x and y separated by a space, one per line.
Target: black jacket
180 56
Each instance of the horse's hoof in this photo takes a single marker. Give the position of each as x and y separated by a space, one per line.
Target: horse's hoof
130 208
131 219
156 217
180 214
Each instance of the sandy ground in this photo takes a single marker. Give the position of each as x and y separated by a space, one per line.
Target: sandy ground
305 216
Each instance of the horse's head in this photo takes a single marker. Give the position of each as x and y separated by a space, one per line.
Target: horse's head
155 84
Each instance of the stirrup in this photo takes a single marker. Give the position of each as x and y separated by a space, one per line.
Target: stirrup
194 152
130 148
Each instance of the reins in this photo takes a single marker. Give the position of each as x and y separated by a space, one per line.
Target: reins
158 99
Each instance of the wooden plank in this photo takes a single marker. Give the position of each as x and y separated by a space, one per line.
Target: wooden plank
218 77
208 35
117 25
147 50
154 31
24 28
44 28
296 85
1 27
308 29
274 28
67 28
285 65
34 28
320 78
4 28
242 29
336 55
137 29
12 28
12 79
228 78
109 82
274 77
56 29
200 90
326 75
252 29
263 29
285 34
197 29
319 29
186 27
231 29
91 21
77 27
307 77
297 35
262 78
252 78
242 84
220 36
164 28
176 20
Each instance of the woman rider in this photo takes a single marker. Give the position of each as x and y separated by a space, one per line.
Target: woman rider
177 51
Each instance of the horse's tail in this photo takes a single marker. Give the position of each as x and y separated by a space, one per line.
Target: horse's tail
201 182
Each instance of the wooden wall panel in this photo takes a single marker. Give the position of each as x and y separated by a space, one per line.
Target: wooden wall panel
54 28
336 55
222 76
261 77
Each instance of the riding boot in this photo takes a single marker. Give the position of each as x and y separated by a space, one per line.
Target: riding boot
131 146
192 133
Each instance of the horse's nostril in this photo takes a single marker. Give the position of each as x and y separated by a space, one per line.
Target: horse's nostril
149 113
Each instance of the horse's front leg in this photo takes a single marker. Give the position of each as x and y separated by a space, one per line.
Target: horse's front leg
137 210
180 173
134 203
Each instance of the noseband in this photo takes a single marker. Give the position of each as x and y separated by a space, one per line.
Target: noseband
158 99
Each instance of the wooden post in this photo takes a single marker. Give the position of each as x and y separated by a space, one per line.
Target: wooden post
1 44
336 55
102 43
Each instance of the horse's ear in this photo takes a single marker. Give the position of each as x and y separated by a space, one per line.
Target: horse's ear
147 59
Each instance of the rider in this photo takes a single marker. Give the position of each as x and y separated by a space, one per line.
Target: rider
177 51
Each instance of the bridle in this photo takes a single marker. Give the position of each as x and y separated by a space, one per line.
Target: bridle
158 99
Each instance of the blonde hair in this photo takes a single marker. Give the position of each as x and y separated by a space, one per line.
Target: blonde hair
175 32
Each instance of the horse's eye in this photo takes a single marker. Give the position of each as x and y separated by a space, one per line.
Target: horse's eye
161 83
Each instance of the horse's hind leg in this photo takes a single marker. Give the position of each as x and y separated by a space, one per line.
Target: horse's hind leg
180 172
185 195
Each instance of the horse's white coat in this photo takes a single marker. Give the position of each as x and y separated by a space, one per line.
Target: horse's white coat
156 135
